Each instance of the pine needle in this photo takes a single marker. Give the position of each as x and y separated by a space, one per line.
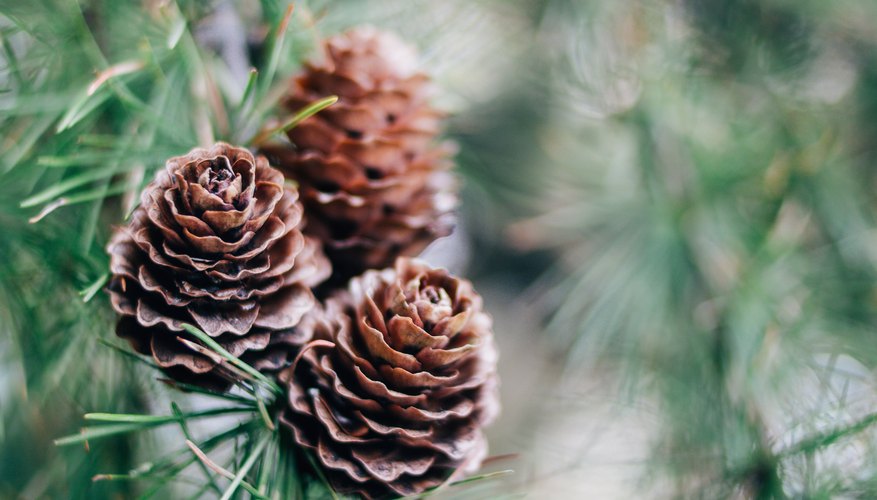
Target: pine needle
211 483
245 468
89 292
300 116
219 350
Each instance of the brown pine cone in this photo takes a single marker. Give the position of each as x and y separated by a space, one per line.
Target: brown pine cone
374 181
398 404
216 242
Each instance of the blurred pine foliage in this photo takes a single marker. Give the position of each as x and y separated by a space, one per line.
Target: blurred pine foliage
684 187
707 183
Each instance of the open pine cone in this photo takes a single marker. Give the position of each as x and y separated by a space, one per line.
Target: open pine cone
374 181
216 242
398 404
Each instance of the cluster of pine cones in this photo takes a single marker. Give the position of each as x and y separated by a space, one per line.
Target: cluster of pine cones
299 252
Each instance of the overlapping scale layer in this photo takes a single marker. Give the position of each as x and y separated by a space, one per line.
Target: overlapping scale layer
216 242
374 180
398 404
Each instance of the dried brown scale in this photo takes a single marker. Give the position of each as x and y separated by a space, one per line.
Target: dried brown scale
397 404
216 242
374 180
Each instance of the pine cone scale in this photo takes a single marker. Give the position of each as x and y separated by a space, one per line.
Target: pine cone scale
214 319
391 466
285 308
167 355
149 283
380 350
334 460
377 389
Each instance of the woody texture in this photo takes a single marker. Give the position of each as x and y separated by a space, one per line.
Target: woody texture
216 243
400 379
374 178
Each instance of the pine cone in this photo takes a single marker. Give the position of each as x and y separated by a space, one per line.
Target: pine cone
216 242
398 404
374 182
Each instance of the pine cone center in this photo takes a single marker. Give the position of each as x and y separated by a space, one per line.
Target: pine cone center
431 301
219 179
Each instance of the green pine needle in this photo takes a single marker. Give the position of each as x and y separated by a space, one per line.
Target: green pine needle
300 116
125 423
249 370
211 482
89 292
245 469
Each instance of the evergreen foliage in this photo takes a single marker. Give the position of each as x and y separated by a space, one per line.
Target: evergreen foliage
684 188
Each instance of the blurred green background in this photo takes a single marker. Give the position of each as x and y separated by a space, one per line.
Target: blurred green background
668 205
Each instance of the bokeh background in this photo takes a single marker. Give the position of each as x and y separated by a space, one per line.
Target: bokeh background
668 206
